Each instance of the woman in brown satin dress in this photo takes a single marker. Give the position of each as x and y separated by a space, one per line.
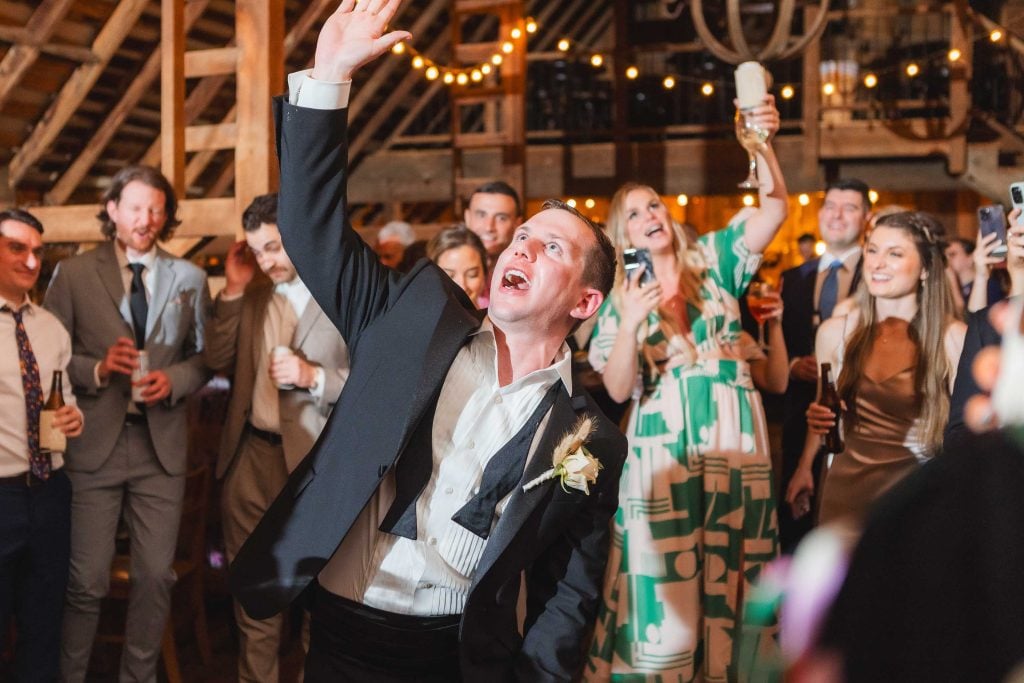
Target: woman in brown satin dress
897 353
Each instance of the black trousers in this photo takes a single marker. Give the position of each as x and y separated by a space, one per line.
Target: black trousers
349 641
35 548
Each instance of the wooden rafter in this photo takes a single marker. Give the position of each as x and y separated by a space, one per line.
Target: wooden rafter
21 56
77 87
67 183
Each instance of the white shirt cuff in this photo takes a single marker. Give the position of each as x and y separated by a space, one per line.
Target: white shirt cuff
305 91
96 376
317 390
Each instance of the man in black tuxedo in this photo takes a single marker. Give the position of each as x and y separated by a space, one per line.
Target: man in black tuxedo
810 291
413 510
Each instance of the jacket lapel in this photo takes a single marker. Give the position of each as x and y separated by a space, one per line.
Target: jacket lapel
110 275
305 324
523 503
165 277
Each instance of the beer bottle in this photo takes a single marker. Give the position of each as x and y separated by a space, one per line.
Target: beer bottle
50 438
829 398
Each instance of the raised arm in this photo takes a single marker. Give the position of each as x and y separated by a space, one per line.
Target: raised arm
341 271
773 206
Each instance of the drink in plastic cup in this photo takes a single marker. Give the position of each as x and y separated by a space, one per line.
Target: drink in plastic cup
137 374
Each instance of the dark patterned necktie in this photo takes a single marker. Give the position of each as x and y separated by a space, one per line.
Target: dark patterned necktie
138 305
829 291
39 462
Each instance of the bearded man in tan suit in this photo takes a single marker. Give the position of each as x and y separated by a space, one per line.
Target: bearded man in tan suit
288 364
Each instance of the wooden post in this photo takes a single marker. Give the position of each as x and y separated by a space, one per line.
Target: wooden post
260 38
172 93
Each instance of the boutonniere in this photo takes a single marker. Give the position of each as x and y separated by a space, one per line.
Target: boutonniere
184 297
571 462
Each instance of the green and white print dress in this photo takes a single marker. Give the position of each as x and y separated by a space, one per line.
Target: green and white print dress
696 519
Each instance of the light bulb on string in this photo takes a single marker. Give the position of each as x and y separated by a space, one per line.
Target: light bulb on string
804 199
596 60
462 79
516 33
707 89
417 62
564 44
682 200
432 73
829 88
496 60
954 55
485 69
476 76
507 47
448 77
571 202
996 35
870 81
748 200
531 26
913 69
787 92
590 203
632 72
399 48
873 196
669 82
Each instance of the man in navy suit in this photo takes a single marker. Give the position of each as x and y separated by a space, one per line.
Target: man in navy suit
442 547
810 291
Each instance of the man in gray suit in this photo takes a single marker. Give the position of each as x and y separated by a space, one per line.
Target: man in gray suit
279 401
124 297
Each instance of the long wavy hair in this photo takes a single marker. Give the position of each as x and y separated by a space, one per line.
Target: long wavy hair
691 261
935 311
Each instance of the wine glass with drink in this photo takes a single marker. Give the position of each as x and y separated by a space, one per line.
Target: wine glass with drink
763 301
751 87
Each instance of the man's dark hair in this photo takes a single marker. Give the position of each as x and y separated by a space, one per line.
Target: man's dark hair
262 209
855 185
967 244
599 261
21 216
147 175
806 237
499 187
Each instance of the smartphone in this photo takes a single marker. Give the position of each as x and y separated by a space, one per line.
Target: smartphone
633 259
992 219
1017 199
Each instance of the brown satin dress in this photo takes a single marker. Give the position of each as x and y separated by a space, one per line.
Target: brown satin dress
881 447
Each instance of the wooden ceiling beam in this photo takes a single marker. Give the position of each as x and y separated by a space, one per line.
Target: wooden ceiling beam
77 87
219 61
21 56
70 179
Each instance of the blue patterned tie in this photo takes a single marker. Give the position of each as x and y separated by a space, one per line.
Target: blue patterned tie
38 461
829 291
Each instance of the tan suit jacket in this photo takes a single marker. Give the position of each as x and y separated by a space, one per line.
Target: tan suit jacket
234 342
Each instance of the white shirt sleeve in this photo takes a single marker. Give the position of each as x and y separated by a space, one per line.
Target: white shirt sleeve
305 91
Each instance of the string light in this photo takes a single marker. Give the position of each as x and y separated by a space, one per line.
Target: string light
873 196
913 69
707 89
669 82
996 35
632 72
564 44
748 200
571 202
804 199
787 92
819 248
590 203
829 88
596 60
954 55
682 200
474 73
870 81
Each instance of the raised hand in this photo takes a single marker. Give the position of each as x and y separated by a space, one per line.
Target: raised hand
239 268
353 36
638 300
122 356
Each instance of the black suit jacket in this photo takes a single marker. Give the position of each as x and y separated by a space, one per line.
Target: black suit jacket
799 327
403 332
980 334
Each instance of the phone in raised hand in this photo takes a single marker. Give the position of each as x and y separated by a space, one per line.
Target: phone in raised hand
1017 199
992 220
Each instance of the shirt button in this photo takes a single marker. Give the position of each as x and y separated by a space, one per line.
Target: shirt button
432 541
497 399
449 490
471 445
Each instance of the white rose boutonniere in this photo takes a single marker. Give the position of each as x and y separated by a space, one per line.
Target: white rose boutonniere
571 462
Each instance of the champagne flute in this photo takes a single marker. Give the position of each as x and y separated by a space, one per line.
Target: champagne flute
751 87
761 300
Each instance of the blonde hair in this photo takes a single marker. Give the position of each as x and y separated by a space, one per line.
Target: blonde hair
692 266
935 311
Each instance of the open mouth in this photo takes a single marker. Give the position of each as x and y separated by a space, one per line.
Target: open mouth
653 230
515 279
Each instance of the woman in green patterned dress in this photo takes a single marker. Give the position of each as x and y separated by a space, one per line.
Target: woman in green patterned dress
696 518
